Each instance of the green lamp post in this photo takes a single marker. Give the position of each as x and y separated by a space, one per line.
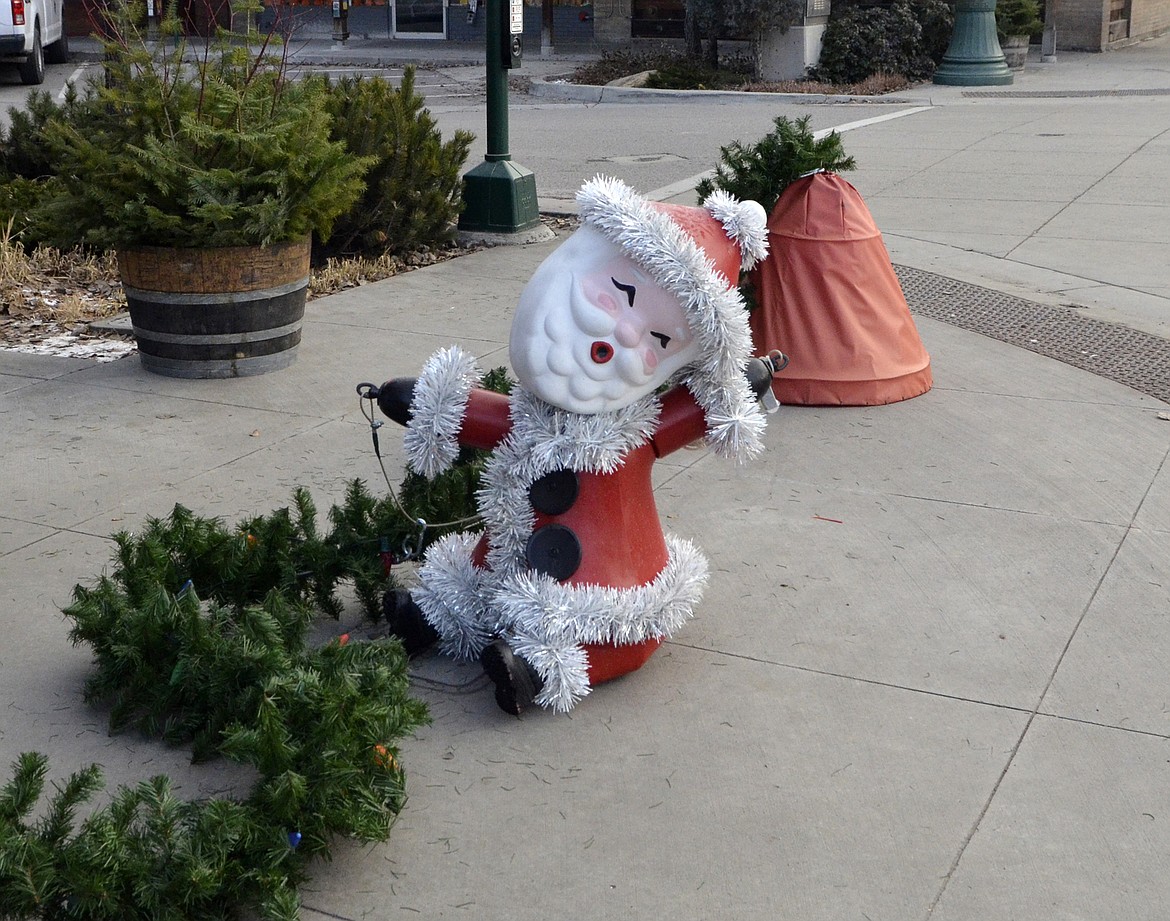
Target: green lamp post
500 196
974 57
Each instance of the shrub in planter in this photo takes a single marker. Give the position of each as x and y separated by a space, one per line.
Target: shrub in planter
26 163
1015 21
212 151
24 151
414 186
19 197
1017 17
221 150
762 171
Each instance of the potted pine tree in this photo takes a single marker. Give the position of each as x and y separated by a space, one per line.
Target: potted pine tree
207 170
1015 23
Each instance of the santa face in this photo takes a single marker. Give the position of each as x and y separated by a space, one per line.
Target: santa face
593 331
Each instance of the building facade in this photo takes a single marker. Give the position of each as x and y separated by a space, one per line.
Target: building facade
1098 25
1088 25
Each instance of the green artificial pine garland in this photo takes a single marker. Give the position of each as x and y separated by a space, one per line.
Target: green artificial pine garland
146 855
199 636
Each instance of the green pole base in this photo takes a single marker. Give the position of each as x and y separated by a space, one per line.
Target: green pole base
974 57
499 197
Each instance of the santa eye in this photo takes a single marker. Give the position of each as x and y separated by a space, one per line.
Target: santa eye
663 339
628 290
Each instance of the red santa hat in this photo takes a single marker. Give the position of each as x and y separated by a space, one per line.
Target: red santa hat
697 253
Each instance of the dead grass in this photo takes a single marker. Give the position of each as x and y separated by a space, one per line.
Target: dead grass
614 65
54 289
875 85
47 293
338 274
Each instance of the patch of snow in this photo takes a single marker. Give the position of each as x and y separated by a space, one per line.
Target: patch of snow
69 346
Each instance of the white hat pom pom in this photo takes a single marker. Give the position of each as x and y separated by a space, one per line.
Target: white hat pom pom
745 222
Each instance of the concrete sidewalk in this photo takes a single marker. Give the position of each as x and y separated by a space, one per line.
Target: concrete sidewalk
928 677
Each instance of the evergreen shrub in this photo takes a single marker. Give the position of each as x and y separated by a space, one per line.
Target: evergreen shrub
693 74
622 62
414 185
184 146
763 170
1017 17
24 149
27 169
907 38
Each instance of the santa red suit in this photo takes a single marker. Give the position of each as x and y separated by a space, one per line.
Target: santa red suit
573 576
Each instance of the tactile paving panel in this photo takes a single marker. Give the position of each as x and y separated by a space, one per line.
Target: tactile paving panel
1060 94
1137 359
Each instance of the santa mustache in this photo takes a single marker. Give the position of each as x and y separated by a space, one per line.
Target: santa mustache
622 347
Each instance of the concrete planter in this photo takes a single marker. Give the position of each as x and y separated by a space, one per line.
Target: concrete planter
1015 51
219 312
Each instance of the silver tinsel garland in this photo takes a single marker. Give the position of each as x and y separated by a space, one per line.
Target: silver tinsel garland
543 620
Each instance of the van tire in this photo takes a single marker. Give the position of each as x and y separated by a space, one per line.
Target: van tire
32 71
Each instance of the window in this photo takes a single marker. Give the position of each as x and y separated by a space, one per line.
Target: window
657 18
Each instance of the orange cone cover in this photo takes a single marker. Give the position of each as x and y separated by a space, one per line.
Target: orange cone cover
829 298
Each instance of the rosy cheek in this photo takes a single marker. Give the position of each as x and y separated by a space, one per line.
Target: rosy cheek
649 360
599 293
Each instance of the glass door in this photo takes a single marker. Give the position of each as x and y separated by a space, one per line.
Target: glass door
419 18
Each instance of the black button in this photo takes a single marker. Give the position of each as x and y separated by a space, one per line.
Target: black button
554 493
554 551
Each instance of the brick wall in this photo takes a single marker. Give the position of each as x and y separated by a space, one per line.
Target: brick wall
1149 18
611 22
1083 25
572 26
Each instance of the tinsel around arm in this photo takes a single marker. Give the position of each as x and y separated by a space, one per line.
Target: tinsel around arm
437 410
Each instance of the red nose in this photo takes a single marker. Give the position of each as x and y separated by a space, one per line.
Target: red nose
601 352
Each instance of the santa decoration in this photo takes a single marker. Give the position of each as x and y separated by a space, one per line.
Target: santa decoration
573 581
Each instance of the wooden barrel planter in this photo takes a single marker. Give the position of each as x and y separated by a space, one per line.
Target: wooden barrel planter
227 311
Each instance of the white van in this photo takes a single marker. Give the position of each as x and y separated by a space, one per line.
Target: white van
31 33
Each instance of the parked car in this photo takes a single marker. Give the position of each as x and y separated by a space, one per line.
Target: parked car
32 32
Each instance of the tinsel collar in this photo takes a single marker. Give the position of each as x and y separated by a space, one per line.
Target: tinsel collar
544 438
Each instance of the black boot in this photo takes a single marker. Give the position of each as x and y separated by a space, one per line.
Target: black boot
517 682
406 621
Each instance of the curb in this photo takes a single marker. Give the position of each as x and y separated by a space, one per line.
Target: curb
557 88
